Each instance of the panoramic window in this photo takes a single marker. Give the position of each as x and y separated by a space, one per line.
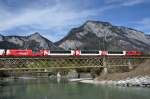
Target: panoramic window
115 52
90 52
60 52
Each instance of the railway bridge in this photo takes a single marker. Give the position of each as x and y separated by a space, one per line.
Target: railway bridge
48 65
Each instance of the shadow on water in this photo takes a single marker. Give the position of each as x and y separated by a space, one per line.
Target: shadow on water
45 88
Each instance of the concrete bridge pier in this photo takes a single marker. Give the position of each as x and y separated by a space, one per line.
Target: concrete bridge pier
130 66
105 70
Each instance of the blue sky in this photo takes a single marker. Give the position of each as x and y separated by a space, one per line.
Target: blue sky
55 18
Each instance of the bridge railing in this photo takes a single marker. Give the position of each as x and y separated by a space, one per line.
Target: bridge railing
47 63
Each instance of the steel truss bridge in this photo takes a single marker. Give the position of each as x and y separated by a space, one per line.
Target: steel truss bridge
53 64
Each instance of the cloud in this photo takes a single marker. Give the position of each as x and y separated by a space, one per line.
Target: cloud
133 2
52 16
144 24
126 2
44 18
47 18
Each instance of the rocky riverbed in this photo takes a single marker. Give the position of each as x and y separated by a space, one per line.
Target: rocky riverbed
141 81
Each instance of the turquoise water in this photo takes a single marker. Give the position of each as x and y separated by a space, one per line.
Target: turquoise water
51 89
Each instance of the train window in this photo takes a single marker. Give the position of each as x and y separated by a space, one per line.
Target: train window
90 52
35 51
60 52
115 52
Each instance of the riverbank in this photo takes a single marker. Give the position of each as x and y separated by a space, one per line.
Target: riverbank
139 76
143 81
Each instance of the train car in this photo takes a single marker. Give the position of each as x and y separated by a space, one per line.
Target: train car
15 52
113 53
132 53
2 52
61 53
116 53
120 53
88 53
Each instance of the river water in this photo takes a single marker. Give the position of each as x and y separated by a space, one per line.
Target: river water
51 89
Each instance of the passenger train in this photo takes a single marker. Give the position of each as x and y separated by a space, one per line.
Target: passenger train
35 53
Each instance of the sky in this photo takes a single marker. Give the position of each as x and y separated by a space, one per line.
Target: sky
55 18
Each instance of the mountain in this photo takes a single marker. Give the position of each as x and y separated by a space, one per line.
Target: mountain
34 41
96 35
92 35
147 36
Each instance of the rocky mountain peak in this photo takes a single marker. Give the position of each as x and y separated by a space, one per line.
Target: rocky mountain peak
95 35
34 41
98 28
36 34
97 22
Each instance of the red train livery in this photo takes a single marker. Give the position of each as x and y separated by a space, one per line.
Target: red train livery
14 52
26 52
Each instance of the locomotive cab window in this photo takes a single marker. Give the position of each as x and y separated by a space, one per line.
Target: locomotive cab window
115 52
60 52
35 51
90 52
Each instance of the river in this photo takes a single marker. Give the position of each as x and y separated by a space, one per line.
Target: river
45 88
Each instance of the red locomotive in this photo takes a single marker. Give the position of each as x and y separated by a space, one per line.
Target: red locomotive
15 52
